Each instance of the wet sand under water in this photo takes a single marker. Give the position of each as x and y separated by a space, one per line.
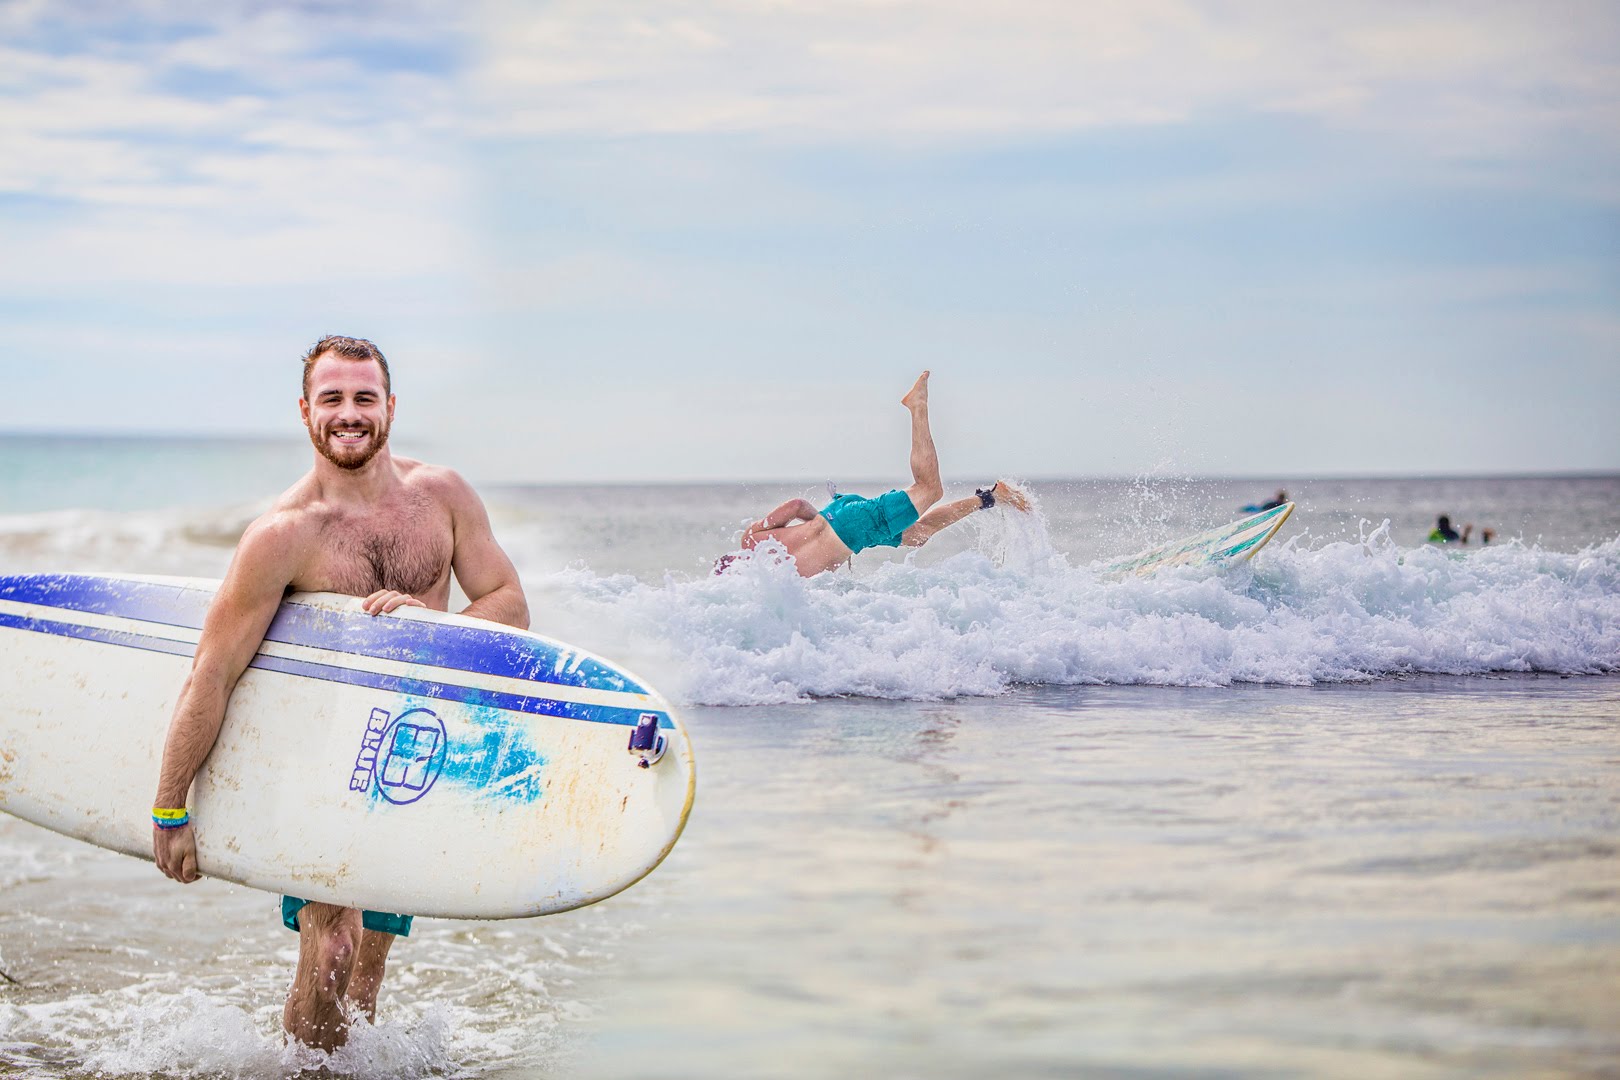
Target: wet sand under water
1410 877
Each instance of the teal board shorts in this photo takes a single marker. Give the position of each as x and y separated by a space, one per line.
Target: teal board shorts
380 921
862 523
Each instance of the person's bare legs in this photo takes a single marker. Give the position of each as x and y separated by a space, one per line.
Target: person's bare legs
338 961
369 965
328 938
925 489
941 517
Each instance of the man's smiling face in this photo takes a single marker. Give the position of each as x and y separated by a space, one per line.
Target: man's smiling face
347 412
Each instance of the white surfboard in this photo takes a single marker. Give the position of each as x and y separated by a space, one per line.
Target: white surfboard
1229 543
418 762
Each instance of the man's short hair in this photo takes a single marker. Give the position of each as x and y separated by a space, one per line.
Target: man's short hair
350 348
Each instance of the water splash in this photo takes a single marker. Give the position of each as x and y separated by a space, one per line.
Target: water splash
1017 540
1013 612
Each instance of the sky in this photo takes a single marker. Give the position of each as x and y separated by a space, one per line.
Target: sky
717 239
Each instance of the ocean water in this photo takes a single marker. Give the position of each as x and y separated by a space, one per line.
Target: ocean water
1352 809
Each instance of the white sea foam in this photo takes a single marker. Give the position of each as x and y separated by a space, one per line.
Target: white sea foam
231 1028
1300 613
139 1031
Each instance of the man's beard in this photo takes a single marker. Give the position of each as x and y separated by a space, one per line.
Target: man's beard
353 459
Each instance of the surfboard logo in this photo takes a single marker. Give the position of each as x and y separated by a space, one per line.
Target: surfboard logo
403 755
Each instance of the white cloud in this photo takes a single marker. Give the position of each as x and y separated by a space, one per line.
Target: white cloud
309 155
1472 76
311 142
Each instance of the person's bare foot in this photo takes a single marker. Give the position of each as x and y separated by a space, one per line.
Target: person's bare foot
1007 495
917 397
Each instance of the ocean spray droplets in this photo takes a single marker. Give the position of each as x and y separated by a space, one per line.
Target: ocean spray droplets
454 1006
1017 541
1297 615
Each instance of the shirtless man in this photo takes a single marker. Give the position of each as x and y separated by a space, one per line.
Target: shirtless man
821 540
361 522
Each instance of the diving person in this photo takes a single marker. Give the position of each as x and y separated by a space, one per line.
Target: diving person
820 540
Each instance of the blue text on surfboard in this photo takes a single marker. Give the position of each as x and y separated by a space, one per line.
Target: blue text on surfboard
365 763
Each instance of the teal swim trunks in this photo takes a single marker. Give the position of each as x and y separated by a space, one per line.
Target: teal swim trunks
380 921
862 523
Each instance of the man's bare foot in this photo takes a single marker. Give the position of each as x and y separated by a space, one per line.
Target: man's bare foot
917 397
1007 495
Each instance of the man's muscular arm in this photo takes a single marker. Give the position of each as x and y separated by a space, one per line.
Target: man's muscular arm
484 572
237 620
783 516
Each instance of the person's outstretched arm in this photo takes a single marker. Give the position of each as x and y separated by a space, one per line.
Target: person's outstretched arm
783 516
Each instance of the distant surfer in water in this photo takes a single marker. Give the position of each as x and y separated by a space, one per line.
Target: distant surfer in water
821 539
361 522
1443 533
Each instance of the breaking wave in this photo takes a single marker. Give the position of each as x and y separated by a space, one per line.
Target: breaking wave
1013 612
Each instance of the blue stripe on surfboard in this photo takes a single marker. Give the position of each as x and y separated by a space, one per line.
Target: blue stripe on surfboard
468 695
95 633
1245 546
410 641
172 605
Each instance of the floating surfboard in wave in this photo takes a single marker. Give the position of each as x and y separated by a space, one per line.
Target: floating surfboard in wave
1229 543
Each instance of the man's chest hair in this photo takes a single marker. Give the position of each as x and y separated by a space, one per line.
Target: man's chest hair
406 549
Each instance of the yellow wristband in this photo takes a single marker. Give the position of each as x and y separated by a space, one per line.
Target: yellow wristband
161 814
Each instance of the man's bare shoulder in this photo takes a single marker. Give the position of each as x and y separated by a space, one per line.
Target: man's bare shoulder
440 482
286 529
302 503
293 521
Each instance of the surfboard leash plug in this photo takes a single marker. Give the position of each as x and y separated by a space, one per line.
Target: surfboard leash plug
645 742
